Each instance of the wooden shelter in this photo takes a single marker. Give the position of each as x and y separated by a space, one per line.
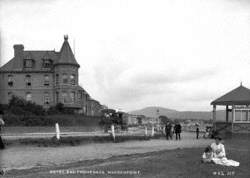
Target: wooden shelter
237 103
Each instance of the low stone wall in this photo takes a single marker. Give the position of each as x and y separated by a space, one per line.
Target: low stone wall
241 127
234 128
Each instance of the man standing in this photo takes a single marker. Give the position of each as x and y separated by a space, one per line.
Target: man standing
197 132
168 131
177 130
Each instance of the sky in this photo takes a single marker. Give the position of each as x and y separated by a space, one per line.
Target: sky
138 53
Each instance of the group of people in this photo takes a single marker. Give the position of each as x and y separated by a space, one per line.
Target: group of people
170 130
215 153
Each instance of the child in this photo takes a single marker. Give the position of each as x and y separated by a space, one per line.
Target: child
207 155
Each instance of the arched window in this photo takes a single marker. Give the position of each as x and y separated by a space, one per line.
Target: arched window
10 80
73 79
46 80
28 80
28 96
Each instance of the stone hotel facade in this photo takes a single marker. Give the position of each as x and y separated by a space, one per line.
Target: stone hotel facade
46 78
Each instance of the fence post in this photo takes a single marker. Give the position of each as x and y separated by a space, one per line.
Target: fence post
153 131
57 131
113 131
146 131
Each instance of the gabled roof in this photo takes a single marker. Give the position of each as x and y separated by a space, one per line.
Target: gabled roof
16 64
238 96
66 54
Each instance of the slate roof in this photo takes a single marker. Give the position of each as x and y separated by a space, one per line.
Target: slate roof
64 56
238 96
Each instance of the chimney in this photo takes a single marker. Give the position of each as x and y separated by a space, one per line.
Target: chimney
18 50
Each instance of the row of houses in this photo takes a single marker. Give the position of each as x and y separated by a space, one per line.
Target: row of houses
46 77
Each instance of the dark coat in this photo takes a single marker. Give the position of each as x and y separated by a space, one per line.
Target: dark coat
168 128
177 128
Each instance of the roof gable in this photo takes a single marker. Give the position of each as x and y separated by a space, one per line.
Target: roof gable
238 96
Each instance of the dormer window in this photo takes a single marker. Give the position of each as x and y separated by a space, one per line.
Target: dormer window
28 63
47 63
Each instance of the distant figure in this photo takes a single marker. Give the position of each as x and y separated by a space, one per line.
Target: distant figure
197 132
1 124
168 129
177 130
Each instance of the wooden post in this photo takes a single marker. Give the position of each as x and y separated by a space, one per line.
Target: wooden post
57 131
227 114
153 131
146 131
233 117
214 117
113 131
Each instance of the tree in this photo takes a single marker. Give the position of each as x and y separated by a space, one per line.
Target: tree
164 119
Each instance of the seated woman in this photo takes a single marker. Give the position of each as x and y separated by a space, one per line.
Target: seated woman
207 155
219 154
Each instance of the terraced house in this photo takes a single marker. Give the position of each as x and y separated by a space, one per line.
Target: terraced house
46 78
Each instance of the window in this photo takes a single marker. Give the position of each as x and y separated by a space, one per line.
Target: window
65 78
57 97
57 79
79 95
64 97
10 80
242 115
72 79
46 98
28 96
28 63
47 63
72 96
46 80
10 94
28 80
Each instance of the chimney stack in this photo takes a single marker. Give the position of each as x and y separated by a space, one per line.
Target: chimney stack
18 50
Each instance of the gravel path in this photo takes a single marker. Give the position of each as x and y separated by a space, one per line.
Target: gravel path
25 157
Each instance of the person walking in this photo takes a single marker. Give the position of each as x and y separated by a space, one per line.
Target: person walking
168 131
197 132
1 124
177 131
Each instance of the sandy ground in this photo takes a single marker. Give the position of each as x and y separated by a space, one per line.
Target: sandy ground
24 157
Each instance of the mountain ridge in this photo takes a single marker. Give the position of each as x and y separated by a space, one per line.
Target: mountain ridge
156 111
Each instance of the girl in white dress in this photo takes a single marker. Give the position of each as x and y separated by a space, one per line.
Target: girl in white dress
219 154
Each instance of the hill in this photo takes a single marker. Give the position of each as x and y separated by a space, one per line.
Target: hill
171 113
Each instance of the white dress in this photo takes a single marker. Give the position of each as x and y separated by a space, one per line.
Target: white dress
219 156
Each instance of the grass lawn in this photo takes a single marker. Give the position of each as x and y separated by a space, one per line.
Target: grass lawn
169 163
